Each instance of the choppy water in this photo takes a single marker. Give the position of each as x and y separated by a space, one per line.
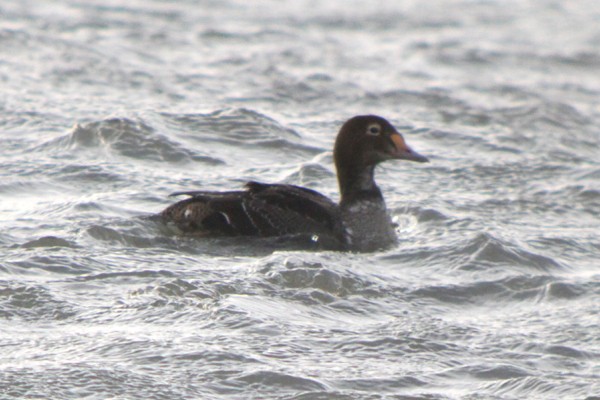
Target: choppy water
109 106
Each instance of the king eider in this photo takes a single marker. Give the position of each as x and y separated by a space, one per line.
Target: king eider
359 222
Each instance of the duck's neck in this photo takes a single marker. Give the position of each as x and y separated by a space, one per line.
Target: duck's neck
365 218
358 184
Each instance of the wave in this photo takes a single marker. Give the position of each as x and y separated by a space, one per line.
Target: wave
128 138
237 127
32 302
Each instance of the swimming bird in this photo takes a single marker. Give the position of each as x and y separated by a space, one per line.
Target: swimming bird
359 222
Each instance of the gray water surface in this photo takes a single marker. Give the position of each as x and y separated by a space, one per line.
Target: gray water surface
491 293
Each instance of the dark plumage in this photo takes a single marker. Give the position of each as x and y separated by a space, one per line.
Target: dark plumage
359 222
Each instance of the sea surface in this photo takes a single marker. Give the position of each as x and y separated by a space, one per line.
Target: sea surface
107 107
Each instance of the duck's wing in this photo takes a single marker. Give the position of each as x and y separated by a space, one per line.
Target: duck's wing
260 210
202 194
288 209
208 213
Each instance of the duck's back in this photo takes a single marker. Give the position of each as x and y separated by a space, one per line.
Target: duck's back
260 210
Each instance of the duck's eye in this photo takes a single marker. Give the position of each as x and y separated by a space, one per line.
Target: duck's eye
374 130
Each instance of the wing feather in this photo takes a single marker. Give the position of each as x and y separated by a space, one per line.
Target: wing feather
261 210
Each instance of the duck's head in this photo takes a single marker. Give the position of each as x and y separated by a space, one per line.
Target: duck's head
363 142
366 140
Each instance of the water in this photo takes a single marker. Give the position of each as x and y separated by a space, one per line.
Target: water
107 107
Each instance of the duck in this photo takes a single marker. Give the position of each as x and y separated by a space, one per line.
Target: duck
360 220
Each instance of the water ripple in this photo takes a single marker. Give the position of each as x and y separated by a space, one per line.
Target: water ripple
128 138
32 303
490 292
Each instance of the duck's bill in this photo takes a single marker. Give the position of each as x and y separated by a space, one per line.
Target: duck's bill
404 152
412 155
